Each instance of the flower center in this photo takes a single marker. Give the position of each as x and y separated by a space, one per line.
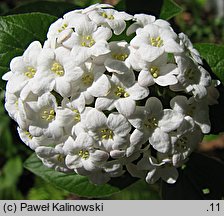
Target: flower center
48 114
77 116
28 134
120 57
190 74
30 72
84 154
154 71
182 143
17 105
63 27
57 69
120 92
60 158
105 15
87 79
106 134
156 42
151 122
87 41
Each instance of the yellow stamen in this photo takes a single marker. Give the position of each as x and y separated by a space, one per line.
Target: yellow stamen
77 115
151 123
154 71
106 134
28 134
105 15
84 154
30 72
63 27
87 41
57 69
156 42
87 79
120 92
48 115
120 57
60 158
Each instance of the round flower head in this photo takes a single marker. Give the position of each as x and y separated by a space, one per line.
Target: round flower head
92 103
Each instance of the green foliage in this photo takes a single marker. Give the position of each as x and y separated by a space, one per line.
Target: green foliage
8 148
44 191
17 32
9 176
214 55
210 137
73 183
121 5
138 191
85 3
169 9
49 7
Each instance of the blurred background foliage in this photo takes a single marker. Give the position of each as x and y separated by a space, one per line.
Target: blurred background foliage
201 20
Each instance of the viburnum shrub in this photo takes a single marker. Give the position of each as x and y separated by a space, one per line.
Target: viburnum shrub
91 104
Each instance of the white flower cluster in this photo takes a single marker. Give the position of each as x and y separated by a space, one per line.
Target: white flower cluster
89 104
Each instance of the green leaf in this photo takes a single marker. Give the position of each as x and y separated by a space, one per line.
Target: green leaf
169 9
12 171
214 55
43 191
210 137
50 7
139 191
73 183
17 32
121 5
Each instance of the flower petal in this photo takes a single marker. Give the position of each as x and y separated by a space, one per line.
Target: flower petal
119 124
125 106
95 119
145 78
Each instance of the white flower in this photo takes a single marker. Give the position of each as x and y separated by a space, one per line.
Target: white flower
184 141
53 157
41 115
55 71
27 138
142 20
198 110
14 109
117 60
111 133
62 29
83 155
191 78
152 41
88 41
23 68
110 169
34 142
111 18
124 92
72 112
188 47
160 167
159 72
155 123
92 83
92 7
